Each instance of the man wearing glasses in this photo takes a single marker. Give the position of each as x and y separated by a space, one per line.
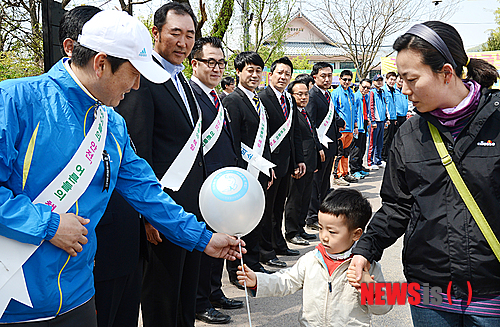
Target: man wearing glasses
343 100
299 193
208 62
163 120
362 100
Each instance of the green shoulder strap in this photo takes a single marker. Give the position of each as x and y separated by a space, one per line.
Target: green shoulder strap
464 191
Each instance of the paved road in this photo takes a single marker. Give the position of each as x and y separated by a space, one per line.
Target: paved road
281 312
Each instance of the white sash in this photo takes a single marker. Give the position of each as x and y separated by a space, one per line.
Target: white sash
280 134
60 194
211 135
179 169
253 156
325 125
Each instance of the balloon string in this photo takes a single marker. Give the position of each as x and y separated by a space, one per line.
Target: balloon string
245 283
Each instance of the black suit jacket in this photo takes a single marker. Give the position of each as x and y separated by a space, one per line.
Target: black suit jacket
222 153
222 95
159 125
244 125
310 144
317 108
289 153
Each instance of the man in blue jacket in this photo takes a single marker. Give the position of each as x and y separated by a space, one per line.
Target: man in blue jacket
401 102
343 99
362 104
390 99
377 114
64 150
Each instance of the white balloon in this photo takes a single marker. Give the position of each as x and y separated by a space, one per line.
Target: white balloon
232 201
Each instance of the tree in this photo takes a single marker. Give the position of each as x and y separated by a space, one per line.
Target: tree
270 18
301 62
493 42
361 26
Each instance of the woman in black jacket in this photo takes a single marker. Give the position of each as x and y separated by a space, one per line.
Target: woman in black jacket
443 247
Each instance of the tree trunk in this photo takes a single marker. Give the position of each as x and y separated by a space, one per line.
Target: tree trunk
222 22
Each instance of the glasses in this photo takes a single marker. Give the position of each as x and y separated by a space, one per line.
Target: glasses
365 87
347 79
212 62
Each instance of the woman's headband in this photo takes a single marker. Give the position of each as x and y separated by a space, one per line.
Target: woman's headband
434 39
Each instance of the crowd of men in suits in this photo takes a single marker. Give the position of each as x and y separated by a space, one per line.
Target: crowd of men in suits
298 131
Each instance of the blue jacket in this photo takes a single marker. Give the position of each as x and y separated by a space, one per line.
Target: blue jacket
390 100
343 101
401 103
378 105
61 112
358 99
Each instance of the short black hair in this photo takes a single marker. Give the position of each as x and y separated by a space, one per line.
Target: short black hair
389 74
179 8
366 80
248 58
345 72
292 85
198 45
82 55
282 60
350 204
306 78
71 23
228 80
319 65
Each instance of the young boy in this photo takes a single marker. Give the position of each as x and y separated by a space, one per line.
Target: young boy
328 298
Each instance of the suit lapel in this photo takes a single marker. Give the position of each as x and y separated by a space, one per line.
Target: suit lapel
274 100
248 102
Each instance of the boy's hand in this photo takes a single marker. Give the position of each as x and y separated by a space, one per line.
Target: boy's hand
248 276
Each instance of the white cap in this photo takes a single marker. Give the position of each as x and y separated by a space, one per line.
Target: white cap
118 34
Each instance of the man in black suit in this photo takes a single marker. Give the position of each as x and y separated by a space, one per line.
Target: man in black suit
208 62
299 194
248 117
227 85
161 120
327 123
286 154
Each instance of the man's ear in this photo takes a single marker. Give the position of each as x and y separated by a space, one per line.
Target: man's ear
357 234
100 64
156 33
68 45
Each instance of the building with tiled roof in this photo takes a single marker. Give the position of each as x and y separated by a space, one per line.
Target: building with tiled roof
305 38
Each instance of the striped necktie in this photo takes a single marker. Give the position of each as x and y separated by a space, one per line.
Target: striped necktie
327 96
216 102
256 100
283 106
303 111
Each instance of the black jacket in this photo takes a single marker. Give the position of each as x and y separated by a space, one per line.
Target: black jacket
222 153
289 153
159 124
244 125
317 108
310 143
442 242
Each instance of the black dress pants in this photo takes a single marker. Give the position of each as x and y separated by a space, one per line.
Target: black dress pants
169 285
320 189
272 237
297 204
117 300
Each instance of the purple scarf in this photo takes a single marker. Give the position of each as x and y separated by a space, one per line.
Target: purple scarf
450 116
